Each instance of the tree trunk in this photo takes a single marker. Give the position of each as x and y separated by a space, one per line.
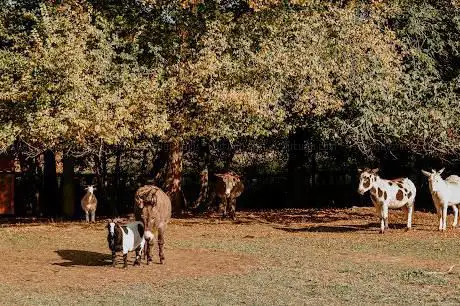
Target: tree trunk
229 154
116 203
143 170
159 167
100 162
68 187
39 194
25 191
205 157
174 178
296 168
50 186
314 191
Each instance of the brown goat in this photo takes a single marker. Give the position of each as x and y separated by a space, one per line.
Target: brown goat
89 203
228 187
153 208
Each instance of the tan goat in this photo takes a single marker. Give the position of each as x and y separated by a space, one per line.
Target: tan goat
89 203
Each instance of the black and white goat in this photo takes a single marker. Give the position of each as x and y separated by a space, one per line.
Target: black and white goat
126 238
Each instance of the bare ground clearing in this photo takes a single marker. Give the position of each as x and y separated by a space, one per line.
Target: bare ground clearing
328 256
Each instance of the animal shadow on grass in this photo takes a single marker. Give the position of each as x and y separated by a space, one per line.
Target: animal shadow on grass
370 227
83 258
324 228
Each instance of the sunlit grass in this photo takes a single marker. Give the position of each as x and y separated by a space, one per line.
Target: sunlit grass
281 267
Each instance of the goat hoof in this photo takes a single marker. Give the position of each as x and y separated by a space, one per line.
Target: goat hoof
407 229
381 232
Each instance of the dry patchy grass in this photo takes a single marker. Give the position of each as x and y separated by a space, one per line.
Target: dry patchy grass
277 257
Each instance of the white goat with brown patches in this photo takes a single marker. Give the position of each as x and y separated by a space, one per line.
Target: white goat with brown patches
89 203
385 194
445 193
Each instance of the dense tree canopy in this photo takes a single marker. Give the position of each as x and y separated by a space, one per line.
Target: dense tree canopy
79 73
65 87
84 77
422 117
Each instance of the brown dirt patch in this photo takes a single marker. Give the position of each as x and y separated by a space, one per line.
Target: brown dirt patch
76 257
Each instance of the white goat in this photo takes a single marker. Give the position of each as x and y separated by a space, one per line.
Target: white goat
89 203
126 238
385 194
445 193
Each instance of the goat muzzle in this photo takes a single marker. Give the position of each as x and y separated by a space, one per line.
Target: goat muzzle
148 235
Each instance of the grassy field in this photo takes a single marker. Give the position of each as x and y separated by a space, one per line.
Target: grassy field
275 257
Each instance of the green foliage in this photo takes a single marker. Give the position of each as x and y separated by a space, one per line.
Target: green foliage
75 90
308 64
77 75
422 117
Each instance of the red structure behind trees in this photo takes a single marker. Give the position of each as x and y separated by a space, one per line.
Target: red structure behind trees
6 185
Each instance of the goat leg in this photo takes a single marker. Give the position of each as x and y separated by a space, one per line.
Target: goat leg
233 208
224 207
125 260
136 262
87 216
444 216
382 225
149 257
161 242
114 259
93 216
385 215
455 208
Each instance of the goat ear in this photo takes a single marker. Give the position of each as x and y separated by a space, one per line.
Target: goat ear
375 170
441 171
360 170
426 173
